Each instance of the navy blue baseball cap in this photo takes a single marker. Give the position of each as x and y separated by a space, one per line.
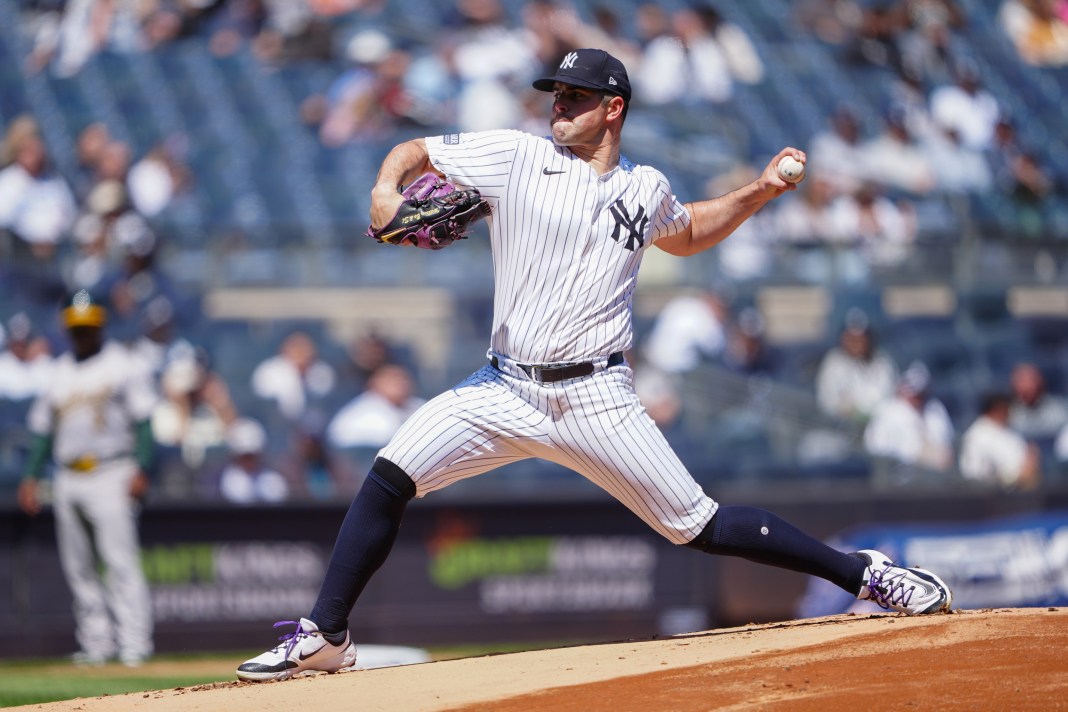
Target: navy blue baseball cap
590 68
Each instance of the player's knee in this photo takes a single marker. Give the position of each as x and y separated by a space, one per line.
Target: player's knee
704 540
394 476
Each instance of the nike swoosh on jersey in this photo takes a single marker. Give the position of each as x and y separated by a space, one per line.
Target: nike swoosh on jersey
545 171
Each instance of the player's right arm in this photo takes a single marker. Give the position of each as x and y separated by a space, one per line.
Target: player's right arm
713 220
406 162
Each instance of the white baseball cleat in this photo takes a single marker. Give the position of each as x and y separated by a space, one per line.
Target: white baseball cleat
908 590
303 650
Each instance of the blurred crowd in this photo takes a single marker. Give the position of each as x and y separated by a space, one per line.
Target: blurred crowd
1011 434
941 132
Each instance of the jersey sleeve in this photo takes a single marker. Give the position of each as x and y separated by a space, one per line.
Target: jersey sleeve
670 216
481 160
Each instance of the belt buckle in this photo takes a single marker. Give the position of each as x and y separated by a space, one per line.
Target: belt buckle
83 464
535 373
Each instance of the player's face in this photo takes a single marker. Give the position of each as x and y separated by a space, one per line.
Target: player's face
578 115
85 341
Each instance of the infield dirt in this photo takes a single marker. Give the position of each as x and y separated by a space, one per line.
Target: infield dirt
992 659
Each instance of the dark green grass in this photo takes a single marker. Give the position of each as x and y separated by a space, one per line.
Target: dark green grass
33 682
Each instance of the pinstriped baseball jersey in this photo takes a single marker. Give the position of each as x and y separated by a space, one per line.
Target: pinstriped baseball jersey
567 242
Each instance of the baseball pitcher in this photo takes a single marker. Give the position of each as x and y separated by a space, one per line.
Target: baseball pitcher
570 219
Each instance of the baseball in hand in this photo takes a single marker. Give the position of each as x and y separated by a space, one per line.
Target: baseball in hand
791 170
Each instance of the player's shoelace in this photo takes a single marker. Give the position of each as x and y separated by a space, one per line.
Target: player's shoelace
889 590
290 640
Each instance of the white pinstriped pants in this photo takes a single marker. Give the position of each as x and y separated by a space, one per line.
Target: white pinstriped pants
594 425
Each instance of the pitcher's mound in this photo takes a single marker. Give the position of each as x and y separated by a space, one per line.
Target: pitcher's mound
987 659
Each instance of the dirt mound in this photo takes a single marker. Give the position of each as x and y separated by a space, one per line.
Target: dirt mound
988 659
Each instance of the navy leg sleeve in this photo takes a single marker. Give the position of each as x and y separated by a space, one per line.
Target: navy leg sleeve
363 543
762 537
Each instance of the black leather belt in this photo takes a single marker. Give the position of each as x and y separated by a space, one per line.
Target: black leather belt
552 374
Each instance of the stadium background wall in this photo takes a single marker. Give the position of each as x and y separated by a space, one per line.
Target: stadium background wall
540 570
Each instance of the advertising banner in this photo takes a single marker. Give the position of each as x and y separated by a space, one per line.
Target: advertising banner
1018 561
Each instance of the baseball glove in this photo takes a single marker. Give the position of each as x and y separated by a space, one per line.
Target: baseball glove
434 214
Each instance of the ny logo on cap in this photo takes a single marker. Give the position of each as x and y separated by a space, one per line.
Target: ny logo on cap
569 60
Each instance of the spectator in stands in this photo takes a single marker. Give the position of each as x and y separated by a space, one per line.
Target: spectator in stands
88 148
895 158
883 229
966 108
113 163
36 204
687 65
959 168
743 60
855 376
370 419
878 34
247 479
929 45
834 22
826 246
369 100
1016 169
294 31
912 428
313 469
837 153
651 21
89 267
993 454
689 330
367 352
491 59
158 344
1035 413
232 25
747 350
552 27
25 359
294 376
195 412
1038 29
608 33
160 176
140 278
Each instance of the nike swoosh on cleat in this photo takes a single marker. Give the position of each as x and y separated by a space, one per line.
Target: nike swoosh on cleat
546 172
302 657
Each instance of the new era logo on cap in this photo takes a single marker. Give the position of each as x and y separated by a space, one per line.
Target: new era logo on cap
590 68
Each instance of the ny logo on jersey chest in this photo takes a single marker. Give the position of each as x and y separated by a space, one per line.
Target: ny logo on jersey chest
635 226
